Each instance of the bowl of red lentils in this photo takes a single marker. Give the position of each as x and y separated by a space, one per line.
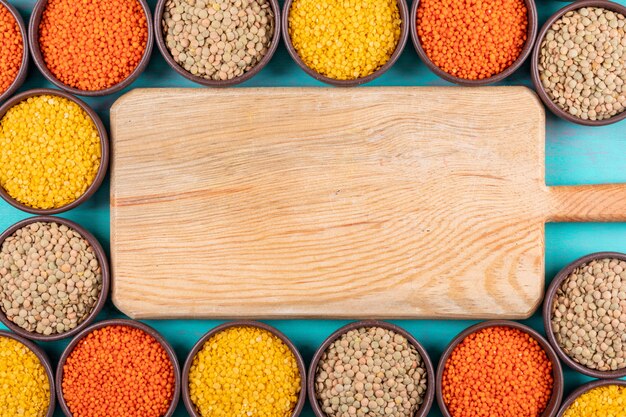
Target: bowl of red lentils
371 368
26 380
54 151
244 368
217 44
499 367
345 43
584 314
54 278
13 50
577 66
596 398
91 47
473 42
118 368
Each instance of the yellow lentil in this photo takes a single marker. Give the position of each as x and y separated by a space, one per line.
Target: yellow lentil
24 384
605 401
244 371
49 152
345 40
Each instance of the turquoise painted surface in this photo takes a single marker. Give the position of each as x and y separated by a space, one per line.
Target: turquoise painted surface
574 155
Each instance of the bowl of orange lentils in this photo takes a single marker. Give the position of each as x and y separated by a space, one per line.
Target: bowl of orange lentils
13 50
473 42
91 47
499 367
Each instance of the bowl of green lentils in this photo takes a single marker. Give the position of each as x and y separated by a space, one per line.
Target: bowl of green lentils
217 43
584 315
54 278
371 368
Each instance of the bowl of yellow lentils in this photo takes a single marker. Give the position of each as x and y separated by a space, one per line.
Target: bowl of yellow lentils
345 43
244 368
54 151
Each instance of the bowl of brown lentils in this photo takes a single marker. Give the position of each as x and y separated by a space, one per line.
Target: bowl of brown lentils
54 278
217 43
577 64
371 368
584 315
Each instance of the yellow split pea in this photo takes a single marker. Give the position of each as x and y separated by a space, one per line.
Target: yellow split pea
24 384
604 401
49 152
244 371
345 39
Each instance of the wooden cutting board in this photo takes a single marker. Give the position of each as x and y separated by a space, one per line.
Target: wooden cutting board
316 202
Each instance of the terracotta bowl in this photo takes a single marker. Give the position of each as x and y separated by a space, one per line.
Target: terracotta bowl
547 315
104 266
584 389
119 322
104 151
557 372
23 71
534 65
531 33
160 40
43 358
33 39
191 408
430 372
404 15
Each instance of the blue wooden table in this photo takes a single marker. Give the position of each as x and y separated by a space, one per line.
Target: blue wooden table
574 155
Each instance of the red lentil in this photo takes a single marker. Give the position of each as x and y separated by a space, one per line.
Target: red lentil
91 44
497 372
11 48
118 371
472 39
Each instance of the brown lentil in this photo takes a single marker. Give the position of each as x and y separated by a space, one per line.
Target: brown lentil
370 372
218 39
581 63
589 315
50 278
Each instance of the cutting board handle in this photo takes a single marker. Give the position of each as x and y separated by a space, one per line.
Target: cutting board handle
588 203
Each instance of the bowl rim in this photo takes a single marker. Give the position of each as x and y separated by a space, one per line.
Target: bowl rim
35 50
160 41
584 389
45 362
242 323
548 304
429 395
23 71
119 322
104 267
557 371
404 33
531 34
104 150
534 63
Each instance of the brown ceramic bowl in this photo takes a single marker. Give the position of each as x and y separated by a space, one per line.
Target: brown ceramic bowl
23 71
104 151
191 408
547 315
430 372
119 322
404 16
531 32
557 372
534 63
33 39
584 389
43 358
160 40
104 266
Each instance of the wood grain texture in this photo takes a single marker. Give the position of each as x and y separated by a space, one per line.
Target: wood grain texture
315 202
